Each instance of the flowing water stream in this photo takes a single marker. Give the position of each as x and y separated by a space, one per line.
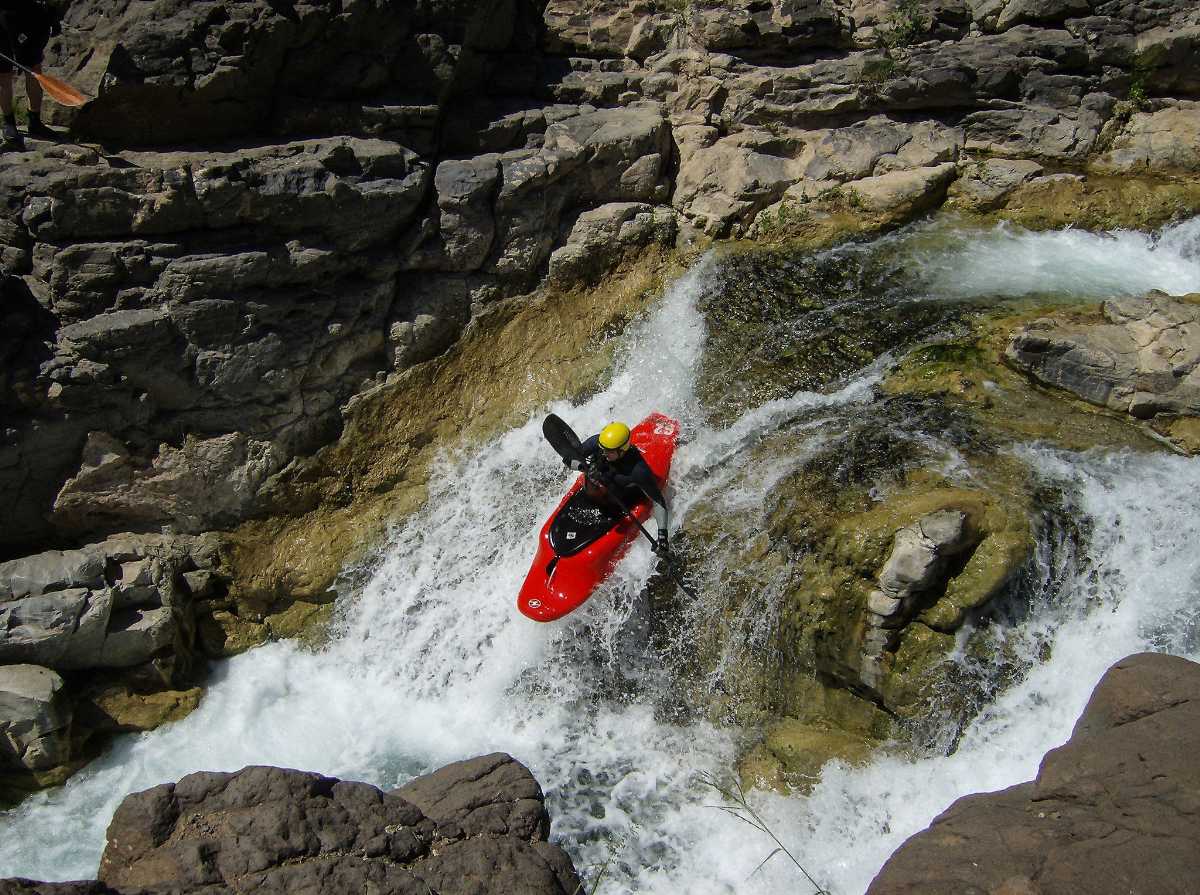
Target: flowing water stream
431 663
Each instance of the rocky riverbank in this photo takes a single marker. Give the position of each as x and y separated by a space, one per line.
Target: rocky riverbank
290 250
1111 811
474 826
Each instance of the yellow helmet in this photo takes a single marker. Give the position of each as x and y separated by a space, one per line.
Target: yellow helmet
614 437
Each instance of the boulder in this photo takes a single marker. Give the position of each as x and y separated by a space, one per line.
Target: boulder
600 237
35 719
1139 357
1164 141
115 604
1110 812
905 194
475 827
985 185
492 794
1040 12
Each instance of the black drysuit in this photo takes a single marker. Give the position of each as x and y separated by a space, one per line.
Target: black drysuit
25 29
631 476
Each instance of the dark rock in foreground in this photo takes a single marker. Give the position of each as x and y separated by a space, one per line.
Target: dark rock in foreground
1114 810
475 826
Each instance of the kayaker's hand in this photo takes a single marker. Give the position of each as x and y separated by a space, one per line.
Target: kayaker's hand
663 548
598 470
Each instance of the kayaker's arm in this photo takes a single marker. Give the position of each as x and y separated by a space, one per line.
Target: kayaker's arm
644 479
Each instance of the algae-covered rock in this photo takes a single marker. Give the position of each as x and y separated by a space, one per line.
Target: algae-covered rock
225 633
969 373
793 753
780 321
119 709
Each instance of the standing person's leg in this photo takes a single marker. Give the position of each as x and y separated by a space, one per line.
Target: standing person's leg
6 94
11 137
33 92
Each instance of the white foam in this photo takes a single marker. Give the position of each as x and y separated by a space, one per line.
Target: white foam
1010 261
433 663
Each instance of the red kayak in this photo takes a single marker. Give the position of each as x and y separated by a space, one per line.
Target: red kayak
581 542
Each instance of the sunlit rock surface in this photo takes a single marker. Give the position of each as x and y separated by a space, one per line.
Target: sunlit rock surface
1141 358
1111 811
475 826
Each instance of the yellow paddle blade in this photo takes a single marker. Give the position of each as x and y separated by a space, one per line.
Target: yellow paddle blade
60 90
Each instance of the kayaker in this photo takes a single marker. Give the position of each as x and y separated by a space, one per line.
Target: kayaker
615 465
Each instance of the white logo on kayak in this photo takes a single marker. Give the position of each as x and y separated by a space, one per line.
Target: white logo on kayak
534 604
570 536
664 429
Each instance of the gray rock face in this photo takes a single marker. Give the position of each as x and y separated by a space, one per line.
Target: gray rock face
35 718
1141 359
600 235
116 604
1112 811
187 322
1165 140
921 555
475 827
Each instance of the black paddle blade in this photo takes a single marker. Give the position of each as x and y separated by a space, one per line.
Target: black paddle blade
562 438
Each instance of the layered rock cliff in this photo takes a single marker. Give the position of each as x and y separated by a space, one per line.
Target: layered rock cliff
288 246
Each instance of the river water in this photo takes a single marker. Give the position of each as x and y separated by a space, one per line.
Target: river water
431 663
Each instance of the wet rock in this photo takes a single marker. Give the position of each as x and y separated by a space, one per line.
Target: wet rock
1119 791
920 555
269 829
35 718
491 794
1139 358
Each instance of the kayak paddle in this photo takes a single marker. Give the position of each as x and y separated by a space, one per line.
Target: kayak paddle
59 90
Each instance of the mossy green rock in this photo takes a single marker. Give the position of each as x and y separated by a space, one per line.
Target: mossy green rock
793 753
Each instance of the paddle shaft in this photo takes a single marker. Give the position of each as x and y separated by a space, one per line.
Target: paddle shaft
61 91
24 68
612 492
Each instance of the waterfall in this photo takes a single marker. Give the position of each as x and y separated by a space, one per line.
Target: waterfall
430 662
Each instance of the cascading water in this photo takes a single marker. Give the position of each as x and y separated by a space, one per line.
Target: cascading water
431 663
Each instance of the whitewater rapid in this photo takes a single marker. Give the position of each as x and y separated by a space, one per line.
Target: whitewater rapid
431 663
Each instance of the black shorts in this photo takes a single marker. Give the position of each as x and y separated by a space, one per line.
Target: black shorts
24 39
